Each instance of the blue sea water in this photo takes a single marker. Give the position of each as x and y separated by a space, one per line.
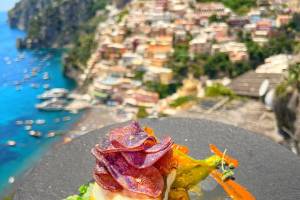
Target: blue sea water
20 104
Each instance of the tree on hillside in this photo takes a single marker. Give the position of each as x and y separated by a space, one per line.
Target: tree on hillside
295 22
238 6
178 62
218 65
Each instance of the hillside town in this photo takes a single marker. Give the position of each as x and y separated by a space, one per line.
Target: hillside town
167 57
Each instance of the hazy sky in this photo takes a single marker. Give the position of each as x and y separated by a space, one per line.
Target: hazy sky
7 4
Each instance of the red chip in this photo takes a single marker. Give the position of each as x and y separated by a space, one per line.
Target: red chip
142 159
146 181
105 180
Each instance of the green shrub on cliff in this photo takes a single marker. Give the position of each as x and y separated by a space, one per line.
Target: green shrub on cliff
238 6
122 14
83 48
291 82
142 113
218 89
34 27
163 90
84 43
182 100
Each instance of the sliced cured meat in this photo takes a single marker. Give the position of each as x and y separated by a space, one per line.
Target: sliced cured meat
104 179
160 146
146 181
142 159
130 137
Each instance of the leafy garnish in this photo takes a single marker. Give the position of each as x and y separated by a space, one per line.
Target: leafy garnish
84 192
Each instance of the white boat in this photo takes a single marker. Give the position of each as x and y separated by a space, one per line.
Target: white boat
54 93
11 143
11 179
46 86
51 134
67 118
54 104
34 85
19 122
35 133
40 121
46 76
28 128
18 88
29 122
22 56
26 76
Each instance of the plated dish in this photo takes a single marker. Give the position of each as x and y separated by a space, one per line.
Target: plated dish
132 163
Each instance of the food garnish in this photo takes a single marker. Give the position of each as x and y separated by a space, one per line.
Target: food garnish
132 159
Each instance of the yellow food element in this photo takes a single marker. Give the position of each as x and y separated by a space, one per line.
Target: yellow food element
178 194
182 148
191 171
149 131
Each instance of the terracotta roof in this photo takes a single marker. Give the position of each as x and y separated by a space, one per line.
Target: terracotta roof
159 48
249 83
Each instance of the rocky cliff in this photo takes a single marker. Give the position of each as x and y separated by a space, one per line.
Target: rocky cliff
53 23
287 107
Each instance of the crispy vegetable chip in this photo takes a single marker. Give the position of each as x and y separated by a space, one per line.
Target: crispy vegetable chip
145 181
160 146
143 159
103 178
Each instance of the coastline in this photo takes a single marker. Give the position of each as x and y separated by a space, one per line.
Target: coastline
93 118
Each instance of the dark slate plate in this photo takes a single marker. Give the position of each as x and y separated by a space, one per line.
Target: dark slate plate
268 170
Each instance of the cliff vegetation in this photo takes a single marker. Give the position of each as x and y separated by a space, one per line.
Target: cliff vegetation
53 23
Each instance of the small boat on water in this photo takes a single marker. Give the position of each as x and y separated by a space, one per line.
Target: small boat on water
54 104
34 85
29 122
46 86
11 179
18 88
11 143
67 118
51 134
21 56
54 93
46 76
26 76
28 127
33 74
19 122
35 133
40 121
